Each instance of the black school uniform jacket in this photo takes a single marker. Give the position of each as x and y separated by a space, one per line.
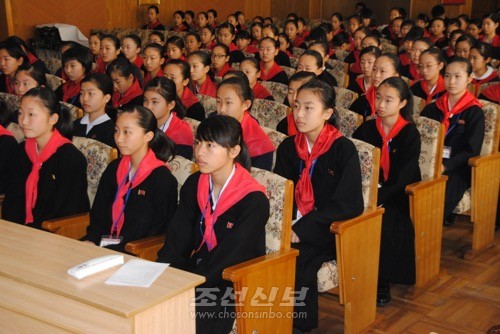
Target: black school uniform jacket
336 182
361 106
465 138
74 100
281 59
196 111
136 101
150 207
8 146
328 78
104 132
62 187
240 233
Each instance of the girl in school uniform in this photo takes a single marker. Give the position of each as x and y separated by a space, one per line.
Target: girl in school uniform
367 58
48 174
137 194
96 92
269 69
201 21
324 167
243 39
463 45
153 61
175 48
77 62
397 137
200 74
154 23
110 50
207 35
287 124
127 84
8 144
282 58
490 36
234 98
291 30
212 18
161 98
11 58
131 48
220 60
480 57
226 35
285 45
95 47
411 71
156 37
449 52
431 86
220 220
463 119
179 24
256 32
250 66
30 52
336 20
193 43
385 66
353 58
28 77
438 33
312 61
178 71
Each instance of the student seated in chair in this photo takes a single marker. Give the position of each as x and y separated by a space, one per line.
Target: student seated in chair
137 194
324 166
397 137
220 220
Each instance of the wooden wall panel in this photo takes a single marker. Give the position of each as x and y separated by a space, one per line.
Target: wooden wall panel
282 8
419 6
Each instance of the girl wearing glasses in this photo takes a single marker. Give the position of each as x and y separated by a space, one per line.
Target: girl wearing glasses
432 84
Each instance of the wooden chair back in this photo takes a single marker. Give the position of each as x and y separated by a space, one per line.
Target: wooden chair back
268 113
278 90
348 121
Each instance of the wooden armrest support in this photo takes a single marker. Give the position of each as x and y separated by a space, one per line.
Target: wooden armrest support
54 225
341 226
236 272
414 187
477 161
138 246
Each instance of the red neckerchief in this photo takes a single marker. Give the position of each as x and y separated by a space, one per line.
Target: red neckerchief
148 76
179 131
251 49
233 47
304 194
139 61
356 66
188 98
170 59
361 83
10 85
37 159
371 97
120 99
467 100
495 42
5 132
147 165
260 92
449 52
434 39
32 58
240 185
226 68
297 41
489 78
305 34
385 161
207 88
180 28
338 31
275 69
70 89
440 87
290 124
210 46
101 66
255 138
404 58
289 54
414 72
153 25
492 93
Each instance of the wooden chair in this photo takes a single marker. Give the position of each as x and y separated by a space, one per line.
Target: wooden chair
268 113
209 103
278 90
480 201
348 121
344 97
53 82
276 137
426 200
357 241
98 156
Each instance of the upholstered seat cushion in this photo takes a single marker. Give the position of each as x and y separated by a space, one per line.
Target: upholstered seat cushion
268 113
181 168
344 97
429 131
348 121
276 137
277 90
209 103
328 277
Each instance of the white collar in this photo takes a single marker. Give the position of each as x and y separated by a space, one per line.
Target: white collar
486 74
101 119
215 200
165 126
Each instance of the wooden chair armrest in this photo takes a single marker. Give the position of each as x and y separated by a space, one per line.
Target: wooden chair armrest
477 161
236 272
54 225
420 185
341 226
137 247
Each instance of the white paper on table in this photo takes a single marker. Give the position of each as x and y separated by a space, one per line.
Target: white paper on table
139 273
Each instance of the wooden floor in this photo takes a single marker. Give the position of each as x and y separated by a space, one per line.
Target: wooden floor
466 299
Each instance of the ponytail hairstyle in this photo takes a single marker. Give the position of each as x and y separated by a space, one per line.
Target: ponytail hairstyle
437 54
166 88
225 131
241 86
34 72
124 68
49 101
161 145
326 94
404 93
